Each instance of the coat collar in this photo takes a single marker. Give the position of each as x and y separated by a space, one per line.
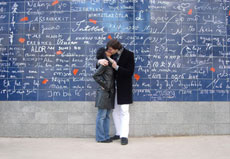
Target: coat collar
120 51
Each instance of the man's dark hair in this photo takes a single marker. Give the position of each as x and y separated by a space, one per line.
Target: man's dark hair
115 44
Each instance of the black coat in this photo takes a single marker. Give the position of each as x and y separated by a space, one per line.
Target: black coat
124 76
105 94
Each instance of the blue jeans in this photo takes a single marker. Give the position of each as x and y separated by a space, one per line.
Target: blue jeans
102 124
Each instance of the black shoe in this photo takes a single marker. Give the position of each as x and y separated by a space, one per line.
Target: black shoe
106 141
115 137
124 141
110 140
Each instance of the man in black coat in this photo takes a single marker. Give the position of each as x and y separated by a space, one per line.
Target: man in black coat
123 63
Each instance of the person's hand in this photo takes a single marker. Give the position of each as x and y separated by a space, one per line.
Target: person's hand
111 60
103 62
114 64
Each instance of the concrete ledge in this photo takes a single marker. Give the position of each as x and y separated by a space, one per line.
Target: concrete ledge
77 119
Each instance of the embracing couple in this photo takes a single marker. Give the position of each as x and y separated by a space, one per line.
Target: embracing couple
115 68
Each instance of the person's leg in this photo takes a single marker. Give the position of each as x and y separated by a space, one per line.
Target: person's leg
116 116
124 128
124 124
107 124
100 133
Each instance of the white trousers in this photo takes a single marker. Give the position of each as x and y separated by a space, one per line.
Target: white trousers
121 119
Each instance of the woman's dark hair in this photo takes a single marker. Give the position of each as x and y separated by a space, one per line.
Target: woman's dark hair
101 53
114 43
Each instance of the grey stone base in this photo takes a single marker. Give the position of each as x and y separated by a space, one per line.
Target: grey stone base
77 119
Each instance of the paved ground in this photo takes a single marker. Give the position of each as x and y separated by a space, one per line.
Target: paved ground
200 147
